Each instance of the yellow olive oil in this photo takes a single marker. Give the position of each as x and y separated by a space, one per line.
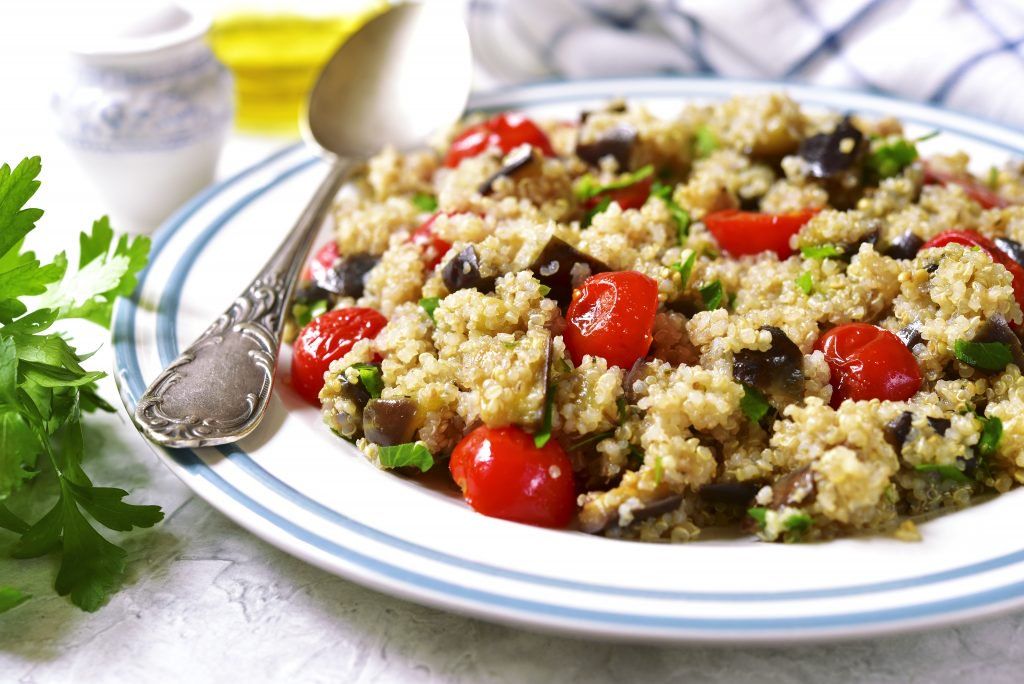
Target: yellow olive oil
275 58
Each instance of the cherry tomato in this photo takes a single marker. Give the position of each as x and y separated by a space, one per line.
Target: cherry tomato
321 262
750 232
506 131
630 197
503 474
868 362
433 247
973 239
326 338
982 194
611 315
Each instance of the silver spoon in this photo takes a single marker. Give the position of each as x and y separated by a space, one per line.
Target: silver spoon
402 76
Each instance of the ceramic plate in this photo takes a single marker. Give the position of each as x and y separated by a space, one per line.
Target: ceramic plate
302 489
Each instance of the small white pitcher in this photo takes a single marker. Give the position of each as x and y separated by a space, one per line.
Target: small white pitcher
146 111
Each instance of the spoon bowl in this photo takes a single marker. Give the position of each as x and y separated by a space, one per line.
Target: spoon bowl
402 76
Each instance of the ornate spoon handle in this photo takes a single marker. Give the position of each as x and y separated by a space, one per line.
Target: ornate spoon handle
218 389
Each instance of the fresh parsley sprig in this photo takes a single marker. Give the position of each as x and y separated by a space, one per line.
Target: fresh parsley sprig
45 390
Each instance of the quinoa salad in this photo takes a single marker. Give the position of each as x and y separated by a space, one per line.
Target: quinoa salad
747 316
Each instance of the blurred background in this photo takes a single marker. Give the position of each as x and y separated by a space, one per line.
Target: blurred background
962 54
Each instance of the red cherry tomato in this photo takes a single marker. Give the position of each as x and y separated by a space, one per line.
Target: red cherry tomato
868 362
503 474
321 262
982 194
505 131
750 232
433 247
611 315
326 338
630 197
973 239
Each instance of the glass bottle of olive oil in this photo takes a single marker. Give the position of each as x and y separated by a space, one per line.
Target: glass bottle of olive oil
276 55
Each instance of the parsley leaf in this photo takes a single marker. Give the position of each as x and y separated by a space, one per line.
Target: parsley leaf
758 513
797 522
890 158
753 404
370 378
821 252
429 304
11 597
685 269
948 472
991 356
712 294
588 186
424 202
805 281
305 313
541 437
413 454
44 390
991 434
704 142
601 206
679 215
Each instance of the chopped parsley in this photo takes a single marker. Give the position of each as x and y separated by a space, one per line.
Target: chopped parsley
798 522
659 471
305 313
415 454
760 514
685 269
544 434
712 294
890 158
753 404
588 218
424 202
544 290
821 252
370 378
679 215
429 304
993 177
591 439
588 187
805 281
704 142
990 356
948 472
991 434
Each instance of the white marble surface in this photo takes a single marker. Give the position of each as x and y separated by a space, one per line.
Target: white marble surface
206 601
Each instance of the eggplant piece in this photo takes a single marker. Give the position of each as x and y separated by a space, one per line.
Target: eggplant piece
910 336
309 292
519 159
349 424
940 425
1013 249
779 371
795 489
996 329
388 422
729 493
829 155
347 276
463 271
653 509
553 267
905 246
617 142
896 431
851 249
613 107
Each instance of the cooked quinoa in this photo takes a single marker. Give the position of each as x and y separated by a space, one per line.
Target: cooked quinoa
671 445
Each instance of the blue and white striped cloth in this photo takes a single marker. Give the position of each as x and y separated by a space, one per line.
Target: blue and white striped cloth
962 54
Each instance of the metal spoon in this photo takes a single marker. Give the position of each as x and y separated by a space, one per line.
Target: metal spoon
400 77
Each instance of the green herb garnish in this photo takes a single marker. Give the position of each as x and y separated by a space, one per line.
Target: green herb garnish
753 404
370 378
44 392
588 186
414 454
679 215
659 471
948 472
588 218
760 514
544 434
424 202
704 142
821 252
620 406
993 177
544 290
712 294
805 281
685 269
305 313
429 304
636 456
798 522
991 433
990 356
591 439
890 158
11 597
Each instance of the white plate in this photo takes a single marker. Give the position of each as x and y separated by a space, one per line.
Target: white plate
297 486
